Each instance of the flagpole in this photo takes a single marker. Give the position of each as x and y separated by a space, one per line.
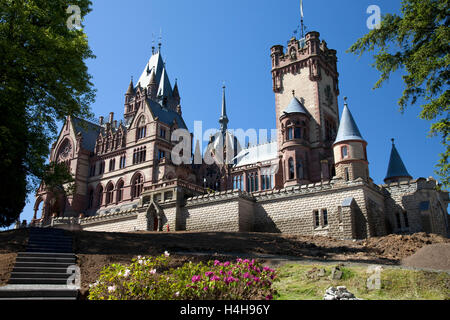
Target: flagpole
301 13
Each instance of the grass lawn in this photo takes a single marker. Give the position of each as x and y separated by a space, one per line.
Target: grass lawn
304 282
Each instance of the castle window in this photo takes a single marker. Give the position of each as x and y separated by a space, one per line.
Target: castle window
347 174
237 183
266 181
102 167
99 197
252 182
139 155
405 218
316 218
289 134
344 151
291 169
330 130
325 217
112 164
119 196
161 154
424 205
298 133
162 132
109 194
300 172
137 186
122 162
142 132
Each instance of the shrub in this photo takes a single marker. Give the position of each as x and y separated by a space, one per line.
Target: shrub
148 278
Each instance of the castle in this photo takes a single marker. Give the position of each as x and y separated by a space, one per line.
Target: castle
312 180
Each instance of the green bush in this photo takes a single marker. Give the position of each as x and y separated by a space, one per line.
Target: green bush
148 278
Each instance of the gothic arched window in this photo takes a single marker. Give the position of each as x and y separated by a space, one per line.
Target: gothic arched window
300 172
137 185
99 197
119 195
141 129
291 169
109 193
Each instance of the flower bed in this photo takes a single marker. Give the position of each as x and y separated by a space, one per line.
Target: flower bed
149 278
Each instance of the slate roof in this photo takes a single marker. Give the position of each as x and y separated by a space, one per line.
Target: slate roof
259 153
89 132
348 130
165 115
396 167
295 106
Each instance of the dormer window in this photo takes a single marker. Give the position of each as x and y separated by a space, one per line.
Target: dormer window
141 129
162 132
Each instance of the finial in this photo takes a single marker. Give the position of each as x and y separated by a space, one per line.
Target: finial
392 141
153 43
160 39
345 100
223 84
293 93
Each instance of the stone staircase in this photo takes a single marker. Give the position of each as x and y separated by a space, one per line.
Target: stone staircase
41 272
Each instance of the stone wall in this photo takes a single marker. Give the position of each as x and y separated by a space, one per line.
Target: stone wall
114 222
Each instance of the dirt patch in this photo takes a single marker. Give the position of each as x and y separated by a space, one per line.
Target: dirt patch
7 261
13 240
435 256
398 247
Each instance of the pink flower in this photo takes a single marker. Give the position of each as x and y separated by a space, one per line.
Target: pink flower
209 274
226 264
215 278
196 278
216 262
246 275
246 261
269 297
205 289
153 271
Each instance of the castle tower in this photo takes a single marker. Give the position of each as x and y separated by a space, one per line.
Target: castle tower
350 153
396 169
295 146
129 95
309 68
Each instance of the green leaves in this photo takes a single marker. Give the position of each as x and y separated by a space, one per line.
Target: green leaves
43 79
419 43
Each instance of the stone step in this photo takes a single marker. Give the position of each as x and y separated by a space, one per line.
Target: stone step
46 259
37 281
49 240
46 255
37 249
48 247
39 275
41 269
31 264
14 292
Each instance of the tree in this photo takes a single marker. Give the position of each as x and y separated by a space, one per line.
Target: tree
43 78
417 42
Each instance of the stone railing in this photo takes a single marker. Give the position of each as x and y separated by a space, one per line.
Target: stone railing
175 183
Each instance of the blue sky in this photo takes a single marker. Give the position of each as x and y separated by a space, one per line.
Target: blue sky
206 42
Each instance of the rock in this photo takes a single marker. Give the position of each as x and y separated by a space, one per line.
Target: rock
339 293
321 272
336 273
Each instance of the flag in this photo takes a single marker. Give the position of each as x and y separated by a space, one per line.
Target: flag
301 8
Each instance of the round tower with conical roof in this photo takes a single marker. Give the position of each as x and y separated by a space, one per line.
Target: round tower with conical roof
350 153
396 169
295 147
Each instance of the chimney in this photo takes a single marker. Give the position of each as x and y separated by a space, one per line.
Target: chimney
111 117
101 120
115 124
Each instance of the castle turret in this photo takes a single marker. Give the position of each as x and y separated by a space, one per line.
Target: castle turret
223 120
350 153
295 146
152 87
396 169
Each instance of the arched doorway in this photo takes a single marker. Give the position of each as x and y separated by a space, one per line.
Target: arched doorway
152 218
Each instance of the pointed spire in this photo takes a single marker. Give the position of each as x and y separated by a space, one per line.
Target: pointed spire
396 168
348 130
164 89
176 93
223 118
130 90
